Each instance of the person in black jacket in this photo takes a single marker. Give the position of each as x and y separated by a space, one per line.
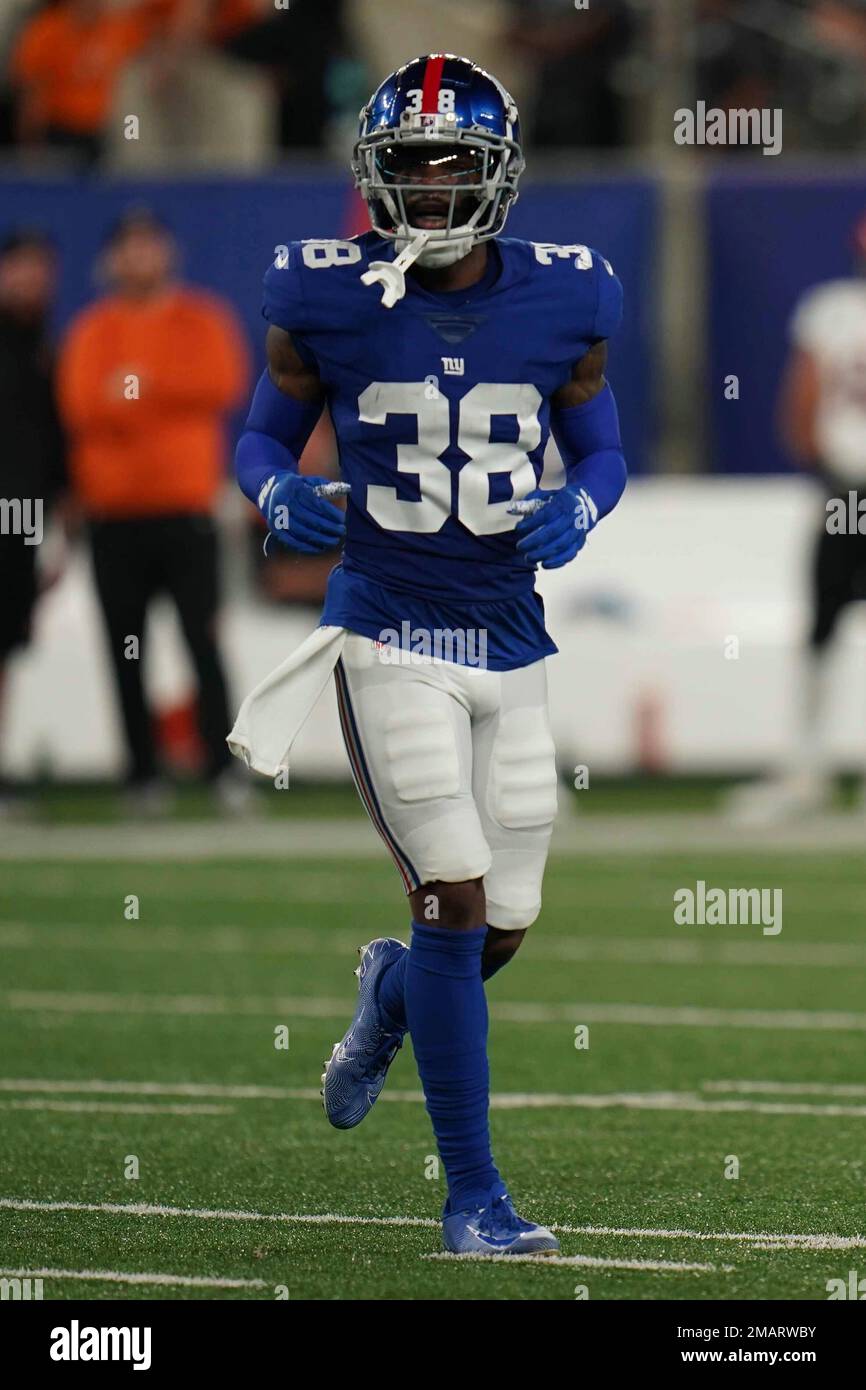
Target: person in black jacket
32 457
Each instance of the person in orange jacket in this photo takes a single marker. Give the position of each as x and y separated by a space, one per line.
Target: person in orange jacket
70 57
147 376
65 68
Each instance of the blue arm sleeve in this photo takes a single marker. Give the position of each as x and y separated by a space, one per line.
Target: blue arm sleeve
274 436
589 442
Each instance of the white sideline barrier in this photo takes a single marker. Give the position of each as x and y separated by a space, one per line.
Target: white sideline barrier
642 619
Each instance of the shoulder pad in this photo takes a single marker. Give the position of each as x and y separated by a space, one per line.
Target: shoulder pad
305 275
587 278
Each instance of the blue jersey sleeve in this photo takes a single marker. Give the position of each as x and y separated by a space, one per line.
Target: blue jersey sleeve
284 303
578 296
608 309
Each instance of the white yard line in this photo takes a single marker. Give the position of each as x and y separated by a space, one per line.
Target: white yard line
101 1107
684 1016
661 1100
688 1101
213 1214
309 839
61 1001
854 1089
256 838
117 1276
151 1088
756 1241
698 950
312 882
776 1241
640 1015
289 941
586 1262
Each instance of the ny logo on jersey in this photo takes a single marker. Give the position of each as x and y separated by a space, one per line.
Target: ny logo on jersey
453 366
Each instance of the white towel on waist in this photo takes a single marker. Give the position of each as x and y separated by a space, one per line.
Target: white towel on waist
272 715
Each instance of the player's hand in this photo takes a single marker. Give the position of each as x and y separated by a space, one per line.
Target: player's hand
297 517
554 534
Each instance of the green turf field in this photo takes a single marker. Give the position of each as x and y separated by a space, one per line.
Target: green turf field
153 1040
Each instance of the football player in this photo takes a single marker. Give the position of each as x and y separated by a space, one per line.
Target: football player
822 415
446 354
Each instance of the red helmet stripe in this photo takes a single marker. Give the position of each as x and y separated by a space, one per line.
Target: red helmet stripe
432 83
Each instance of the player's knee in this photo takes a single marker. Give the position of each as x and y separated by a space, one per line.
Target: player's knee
499 947
460 906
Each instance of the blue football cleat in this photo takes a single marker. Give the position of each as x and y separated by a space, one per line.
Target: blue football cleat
495 1229
356 1071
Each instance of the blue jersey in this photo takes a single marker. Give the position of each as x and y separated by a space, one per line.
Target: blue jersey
441 409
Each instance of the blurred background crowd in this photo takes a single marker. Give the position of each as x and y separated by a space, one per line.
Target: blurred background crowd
153 153
232 83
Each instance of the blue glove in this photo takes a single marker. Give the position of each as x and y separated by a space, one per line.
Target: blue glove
554 533
297 517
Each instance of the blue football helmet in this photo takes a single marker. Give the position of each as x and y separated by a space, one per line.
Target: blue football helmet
438 157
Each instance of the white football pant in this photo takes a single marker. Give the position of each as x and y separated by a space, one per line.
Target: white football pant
456 767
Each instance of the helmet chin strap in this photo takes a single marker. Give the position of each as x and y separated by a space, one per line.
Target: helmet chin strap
424 249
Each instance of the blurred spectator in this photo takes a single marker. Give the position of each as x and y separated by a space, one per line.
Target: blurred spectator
387 33
306 50
575 99
806 56
147 376
738 63
823 422
32 465
65 68
837 102
841 25
13 14
196 102
81 68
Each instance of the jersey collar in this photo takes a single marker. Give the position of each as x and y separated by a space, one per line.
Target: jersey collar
506 266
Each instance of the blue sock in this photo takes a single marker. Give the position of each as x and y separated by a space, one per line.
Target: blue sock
393 984
446 1011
